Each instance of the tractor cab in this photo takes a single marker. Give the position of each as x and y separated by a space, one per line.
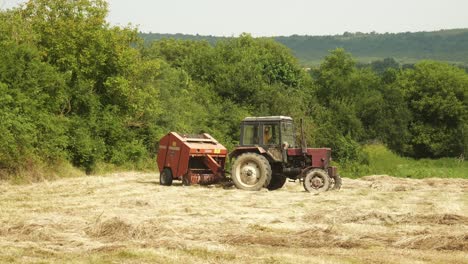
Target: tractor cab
268 132
272 134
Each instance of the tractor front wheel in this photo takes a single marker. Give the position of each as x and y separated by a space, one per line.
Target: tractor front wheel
316 181
251 172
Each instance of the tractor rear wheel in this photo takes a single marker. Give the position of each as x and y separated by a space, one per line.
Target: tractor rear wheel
251 172
165 177
277 181
316 181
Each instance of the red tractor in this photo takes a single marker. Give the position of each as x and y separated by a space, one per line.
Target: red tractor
267 154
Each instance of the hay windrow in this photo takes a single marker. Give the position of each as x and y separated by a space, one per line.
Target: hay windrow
379 218
119 230
435 242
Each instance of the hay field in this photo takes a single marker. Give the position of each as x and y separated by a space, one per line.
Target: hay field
130 218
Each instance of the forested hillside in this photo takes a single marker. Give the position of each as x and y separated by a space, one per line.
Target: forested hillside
444 45
74 89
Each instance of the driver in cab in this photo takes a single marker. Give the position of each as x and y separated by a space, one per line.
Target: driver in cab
266 135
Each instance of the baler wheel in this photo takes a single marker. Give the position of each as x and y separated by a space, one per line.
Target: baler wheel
186 180
165 177
251 172
277 181
316 181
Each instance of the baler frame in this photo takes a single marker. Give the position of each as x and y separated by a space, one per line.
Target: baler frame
193 159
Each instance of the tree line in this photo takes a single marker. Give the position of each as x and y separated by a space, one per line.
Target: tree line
75 89
408 47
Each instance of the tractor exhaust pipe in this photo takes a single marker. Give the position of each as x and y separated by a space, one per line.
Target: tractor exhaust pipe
303 142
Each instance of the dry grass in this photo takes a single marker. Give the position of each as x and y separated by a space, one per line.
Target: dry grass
130 218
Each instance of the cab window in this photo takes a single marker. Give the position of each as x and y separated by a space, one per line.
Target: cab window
270 134
287 132
250 136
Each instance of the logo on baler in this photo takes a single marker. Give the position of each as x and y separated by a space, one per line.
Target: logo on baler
174 147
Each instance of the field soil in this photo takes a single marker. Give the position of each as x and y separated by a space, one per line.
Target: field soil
130 218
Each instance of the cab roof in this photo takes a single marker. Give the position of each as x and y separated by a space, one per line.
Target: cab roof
267 118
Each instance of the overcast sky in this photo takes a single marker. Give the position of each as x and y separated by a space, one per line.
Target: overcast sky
286 17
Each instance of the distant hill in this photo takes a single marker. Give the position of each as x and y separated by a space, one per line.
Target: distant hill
444 45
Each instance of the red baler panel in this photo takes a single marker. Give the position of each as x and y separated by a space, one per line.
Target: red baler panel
162 152
173 155
182 167
175 152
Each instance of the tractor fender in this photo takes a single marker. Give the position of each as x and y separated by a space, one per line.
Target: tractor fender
331 171
305 170
240 150
256 149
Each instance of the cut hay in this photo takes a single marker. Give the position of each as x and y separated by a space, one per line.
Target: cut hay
129 217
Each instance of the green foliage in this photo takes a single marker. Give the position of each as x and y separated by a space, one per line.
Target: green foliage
85 149
348 105
261 66
381 66
30 97
436 96
74 89
350 151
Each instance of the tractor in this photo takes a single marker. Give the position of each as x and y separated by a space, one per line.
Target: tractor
268 154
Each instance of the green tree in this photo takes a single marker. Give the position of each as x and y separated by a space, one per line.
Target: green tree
108 100
356 105
339 89
392 125
436 96
380 66
259 65
30 101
